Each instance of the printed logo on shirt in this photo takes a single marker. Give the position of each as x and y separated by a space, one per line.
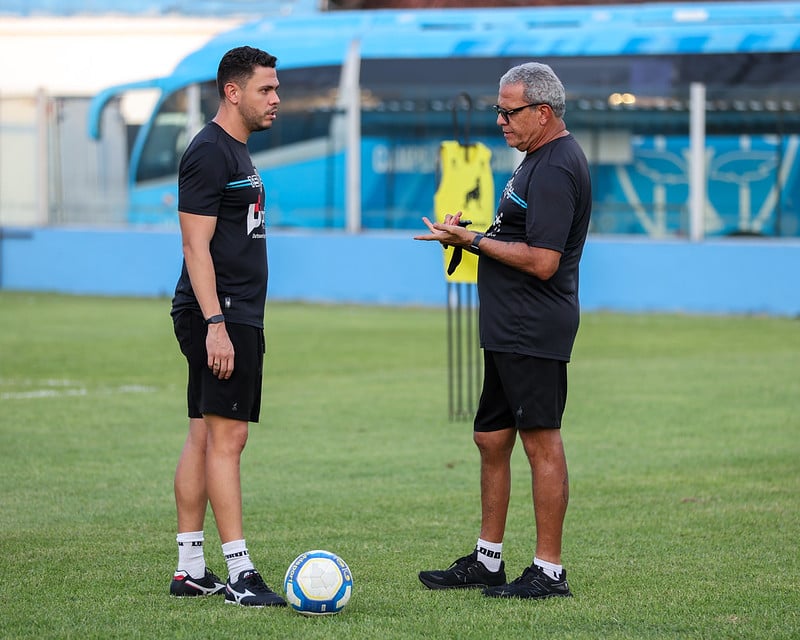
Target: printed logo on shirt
255 219
494 229
509 193
253 181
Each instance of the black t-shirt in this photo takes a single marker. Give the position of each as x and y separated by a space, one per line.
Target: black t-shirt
217 178
546 203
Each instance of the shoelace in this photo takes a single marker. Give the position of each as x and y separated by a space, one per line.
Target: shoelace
254 581
524 577
462 561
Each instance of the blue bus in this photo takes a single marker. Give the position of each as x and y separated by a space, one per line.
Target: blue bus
369 95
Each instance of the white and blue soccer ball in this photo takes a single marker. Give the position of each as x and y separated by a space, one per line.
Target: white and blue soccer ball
318 583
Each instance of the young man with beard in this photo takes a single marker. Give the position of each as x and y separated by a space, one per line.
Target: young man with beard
218 315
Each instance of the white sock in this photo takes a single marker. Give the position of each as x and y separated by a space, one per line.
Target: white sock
490 554
190 553
237 558
550 569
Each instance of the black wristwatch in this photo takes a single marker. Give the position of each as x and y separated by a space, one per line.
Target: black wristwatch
215 319
476 240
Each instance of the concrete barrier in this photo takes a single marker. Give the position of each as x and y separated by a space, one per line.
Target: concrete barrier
738 276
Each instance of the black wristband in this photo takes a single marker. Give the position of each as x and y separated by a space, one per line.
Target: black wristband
476 240
215 319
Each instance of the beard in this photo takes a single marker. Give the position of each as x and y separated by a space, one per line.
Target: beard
257 121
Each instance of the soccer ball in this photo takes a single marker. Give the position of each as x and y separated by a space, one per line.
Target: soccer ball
318 583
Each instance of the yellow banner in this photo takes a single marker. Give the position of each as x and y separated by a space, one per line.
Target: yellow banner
465 185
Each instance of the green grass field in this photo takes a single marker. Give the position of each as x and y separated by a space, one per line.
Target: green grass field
682 435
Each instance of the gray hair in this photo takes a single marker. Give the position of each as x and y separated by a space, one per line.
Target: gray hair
540 84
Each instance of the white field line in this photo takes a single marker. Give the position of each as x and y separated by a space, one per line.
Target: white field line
62 389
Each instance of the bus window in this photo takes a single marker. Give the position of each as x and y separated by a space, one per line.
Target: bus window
169 134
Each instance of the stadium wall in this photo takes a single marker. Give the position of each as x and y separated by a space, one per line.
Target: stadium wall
731 276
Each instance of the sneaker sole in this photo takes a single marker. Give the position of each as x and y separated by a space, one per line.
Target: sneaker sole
437 586
522 597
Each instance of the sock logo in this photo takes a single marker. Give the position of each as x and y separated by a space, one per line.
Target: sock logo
238 554
488 553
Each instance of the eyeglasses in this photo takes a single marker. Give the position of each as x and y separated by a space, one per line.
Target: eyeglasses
505 114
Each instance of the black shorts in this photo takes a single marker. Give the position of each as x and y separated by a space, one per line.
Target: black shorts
522 392
238 397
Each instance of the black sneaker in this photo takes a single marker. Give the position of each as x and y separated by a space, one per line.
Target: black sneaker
184 586
465 573
533 583
251 591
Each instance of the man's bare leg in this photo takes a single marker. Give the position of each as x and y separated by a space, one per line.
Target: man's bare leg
495 449
191 497
226 441
545 451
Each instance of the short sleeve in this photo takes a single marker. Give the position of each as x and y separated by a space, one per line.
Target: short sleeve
551 209
202 179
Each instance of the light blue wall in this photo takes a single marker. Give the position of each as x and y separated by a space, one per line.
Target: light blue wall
618 274
740 276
